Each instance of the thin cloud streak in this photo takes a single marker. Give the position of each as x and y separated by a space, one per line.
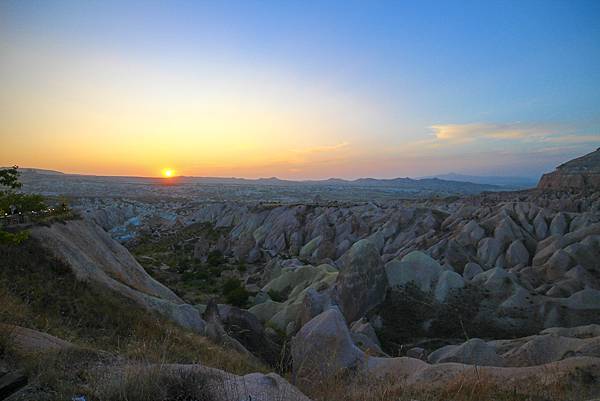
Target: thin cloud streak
516 132
322 149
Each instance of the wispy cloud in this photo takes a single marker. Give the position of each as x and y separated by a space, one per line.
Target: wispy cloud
516 132
322 149
473 131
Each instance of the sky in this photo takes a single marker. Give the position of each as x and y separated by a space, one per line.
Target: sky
299 89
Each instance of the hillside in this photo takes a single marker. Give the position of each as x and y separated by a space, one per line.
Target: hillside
505 182
73 316
580 173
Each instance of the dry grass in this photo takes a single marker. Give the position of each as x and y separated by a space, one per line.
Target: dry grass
167 382
41 293
151 383
462 388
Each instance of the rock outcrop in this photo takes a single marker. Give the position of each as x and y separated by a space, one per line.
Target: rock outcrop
95 257
528 351
29 340
362 282
323 347
580 173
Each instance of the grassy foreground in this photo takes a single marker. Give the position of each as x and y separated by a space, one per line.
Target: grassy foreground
40 292
480 388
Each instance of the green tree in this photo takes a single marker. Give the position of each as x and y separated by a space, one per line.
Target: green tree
20 202
9 177
12 201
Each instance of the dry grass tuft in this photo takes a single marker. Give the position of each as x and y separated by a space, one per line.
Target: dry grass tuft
480 387
151 383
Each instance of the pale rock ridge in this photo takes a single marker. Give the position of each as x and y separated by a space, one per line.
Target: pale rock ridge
95 257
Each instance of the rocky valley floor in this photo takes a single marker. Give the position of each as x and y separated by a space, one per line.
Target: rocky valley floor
493 296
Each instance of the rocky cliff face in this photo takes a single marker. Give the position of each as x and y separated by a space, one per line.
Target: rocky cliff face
580 173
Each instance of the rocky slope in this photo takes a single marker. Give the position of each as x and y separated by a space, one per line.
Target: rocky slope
78 256
501 285
580 173
324 347
94 256
533 254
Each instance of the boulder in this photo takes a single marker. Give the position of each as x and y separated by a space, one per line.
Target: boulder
362 283
416 267
488 251
364 337
323 347
473 352
591 330
266 310
417 353
29 340
517 254
540 226
313 304
585 299
248 330
558 265
498 281
559 224
470 234
471 270
542 349
586 253
447 282
307 250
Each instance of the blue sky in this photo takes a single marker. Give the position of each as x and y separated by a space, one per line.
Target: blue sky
300 89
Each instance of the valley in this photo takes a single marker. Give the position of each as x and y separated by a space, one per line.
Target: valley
450 295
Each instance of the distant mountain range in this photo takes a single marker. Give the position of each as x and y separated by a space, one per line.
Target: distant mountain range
434 184
503 181
402 183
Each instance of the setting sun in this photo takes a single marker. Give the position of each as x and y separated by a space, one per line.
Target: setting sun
168 173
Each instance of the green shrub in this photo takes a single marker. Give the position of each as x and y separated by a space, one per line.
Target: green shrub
215 258
404 311
13 238
235 293
237 297
230 285
456 316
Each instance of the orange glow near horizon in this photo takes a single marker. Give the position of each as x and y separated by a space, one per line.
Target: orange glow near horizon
168 173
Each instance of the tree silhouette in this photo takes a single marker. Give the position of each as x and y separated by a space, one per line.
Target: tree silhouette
9 177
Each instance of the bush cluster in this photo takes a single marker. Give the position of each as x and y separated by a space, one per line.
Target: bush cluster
409 313
235 293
